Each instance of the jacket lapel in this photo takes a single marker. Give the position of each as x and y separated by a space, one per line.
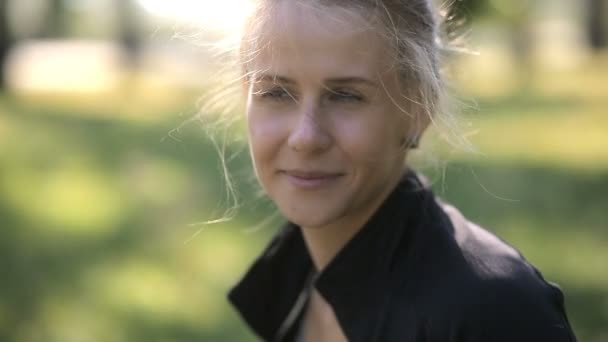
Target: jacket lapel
356 283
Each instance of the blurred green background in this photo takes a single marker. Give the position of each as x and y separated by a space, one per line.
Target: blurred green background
106 182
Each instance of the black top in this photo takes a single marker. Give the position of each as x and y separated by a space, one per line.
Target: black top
417 271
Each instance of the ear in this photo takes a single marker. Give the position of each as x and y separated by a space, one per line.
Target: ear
417 125
423 120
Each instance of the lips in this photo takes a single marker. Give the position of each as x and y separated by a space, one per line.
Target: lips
310 179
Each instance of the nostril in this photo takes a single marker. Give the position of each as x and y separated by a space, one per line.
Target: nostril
308 134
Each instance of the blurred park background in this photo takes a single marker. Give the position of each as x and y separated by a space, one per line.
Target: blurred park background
105 181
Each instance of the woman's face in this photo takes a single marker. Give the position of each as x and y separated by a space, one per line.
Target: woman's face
324 130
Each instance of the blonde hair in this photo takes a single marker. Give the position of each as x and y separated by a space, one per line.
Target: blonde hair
413 30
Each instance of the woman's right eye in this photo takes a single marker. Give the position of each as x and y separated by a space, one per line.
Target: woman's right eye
275 94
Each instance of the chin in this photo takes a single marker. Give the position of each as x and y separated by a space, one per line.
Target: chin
309 218
306 221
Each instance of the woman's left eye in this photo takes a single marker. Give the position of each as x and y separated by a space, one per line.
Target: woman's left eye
344 96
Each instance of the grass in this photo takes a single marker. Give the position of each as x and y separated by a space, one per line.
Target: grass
99 209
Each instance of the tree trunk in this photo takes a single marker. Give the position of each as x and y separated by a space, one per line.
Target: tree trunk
5 41
128 31
55 25
597 27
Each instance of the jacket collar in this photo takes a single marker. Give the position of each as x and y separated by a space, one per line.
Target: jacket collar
355 283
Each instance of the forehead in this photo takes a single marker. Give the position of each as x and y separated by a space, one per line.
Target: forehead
303 40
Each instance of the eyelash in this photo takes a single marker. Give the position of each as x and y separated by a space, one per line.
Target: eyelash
344 96
275 94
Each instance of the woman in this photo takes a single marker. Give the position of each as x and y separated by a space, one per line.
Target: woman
337 93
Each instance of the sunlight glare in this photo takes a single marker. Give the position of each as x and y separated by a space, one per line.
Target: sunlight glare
225 15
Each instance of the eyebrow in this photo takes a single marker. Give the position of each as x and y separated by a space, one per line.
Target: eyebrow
274 79
335 81
351 80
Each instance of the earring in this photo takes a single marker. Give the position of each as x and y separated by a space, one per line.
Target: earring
411 142
415 142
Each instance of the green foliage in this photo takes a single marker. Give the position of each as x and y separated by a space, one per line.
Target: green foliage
99 206
469 8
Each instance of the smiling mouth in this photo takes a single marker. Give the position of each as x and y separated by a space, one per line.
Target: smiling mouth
310 179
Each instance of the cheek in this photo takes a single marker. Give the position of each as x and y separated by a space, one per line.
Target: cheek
369 139
265 136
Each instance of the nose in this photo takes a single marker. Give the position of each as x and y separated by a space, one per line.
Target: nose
308 133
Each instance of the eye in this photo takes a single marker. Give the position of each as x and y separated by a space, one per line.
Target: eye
274 94
344 95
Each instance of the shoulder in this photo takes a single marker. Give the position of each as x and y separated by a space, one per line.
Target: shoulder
516 308
468 282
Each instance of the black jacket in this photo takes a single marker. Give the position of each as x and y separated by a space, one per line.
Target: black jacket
417 271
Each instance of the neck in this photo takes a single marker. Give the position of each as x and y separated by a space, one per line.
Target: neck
325 242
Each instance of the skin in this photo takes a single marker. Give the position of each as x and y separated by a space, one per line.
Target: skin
324 133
